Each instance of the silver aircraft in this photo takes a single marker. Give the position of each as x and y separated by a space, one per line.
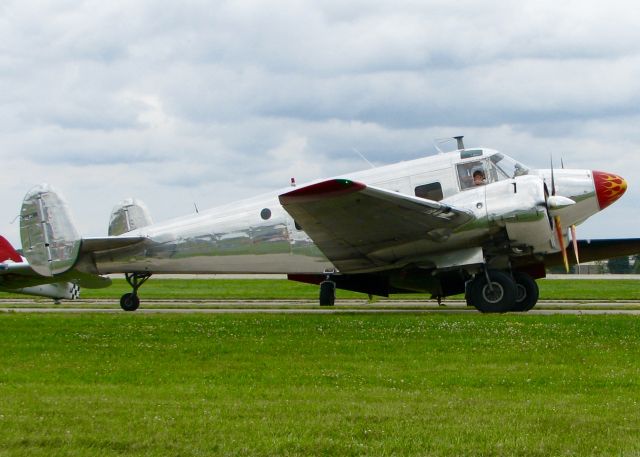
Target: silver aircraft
472 221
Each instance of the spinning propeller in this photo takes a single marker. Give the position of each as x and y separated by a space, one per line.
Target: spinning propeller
555 203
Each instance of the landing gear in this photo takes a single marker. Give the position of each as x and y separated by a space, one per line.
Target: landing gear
527 292
327 293
492 292
130 301
497 292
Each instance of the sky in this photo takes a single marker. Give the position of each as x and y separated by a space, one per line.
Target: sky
201 102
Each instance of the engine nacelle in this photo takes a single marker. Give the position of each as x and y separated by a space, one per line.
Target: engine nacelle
520 205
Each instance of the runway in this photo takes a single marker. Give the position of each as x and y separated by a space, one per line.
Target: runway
307 307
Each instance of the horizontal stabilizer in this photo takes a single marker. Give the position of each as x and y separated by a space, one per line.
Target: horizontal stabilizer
109 243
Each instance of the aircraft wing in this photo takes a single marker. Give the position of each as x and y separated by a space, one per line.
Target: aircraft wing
591 250
350 221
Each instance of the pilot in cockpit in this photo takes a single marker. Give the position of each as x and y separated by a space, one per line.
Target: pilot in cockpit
479 178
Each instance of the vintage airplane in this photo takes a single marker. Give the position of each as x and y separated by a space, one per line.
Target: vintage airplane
16 276
417 226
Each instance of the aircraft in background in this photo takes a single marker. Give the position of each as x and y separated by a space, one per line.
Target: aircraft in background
472 221
16 276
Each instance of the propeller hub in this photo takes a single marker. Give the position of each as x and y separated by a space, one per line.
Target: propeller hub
609 187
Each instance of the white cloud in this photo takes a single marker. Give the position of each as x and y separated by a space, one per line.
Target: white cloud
211 101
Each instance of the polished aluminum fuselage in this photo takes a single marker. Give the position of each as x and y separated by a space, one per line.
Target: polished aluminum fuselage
259 236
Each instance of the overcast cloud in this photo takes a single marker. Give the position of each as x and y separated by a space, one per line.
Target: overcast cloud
207 102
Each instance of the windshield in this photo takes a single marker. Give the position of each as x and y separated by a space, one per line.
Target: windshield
507 167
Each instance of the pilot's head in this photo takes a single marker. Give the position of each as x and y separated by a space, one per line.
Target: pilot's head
478 177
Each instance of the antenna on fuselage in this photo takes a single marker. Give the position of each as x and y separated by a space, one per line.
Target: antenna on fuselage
363 157
438 141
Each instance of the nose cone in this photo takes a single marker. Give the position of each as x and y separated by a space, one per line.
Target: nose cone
609 187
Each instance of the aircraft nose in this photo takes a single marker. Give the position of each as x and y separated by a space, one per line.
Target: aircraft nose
609 187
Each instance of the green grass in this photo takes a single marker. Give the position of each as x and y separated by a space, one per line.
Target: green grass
441 385
258 289
282 289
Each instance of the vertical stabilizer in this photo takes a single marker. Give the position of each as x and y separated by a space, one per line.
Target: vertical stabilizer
50 241
128 215
7 252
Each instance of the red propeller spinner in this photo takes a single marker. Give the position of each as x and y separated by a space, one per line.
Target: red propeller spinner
609 187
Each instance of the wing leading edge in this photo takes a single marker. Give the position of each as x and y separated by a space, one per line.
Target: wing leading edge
350 221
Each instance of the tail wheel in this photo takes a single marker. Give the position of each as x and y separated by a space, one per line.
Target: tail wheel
527 292
327 293
129 302
497 295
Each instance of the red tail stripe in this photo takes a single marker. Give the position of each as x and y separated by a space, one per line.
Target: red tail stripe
7 252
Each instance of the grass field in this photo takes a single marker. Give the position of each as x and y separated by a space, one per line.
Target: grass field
246 289
284 289
441 385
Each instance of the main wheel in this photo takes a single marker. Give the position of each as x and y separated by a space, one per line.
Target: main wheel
496 296
327 293
129 302
527 292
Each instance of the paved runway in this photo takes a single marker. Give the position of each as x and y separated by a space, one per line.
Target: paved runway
307 307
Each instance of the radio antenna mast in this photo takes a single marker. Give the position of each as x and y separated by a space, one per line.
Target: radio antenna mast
363 157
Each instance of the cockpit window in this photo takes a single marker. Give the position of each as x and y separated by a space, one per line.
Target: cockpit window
507 167
494 168
476 173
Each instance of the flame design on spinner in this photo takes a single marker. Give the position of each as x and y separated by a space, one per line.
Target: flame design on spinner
609 187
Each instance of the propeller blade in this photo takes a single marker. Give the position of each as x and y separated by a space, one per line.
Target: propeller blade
563 248
561 163
574 240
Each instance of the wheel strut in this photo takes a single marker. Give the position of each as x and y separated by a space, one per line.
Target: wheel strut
488 278
136 280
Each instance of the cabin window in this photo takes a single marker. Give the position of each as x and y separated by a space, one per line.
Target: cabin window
265 214
431 191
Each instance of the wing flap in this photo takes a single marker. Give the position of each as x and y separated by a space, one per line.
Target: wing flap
350 222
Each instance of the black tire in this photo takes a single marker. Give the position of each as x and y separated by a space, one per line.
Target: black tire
129 302
327 293
527 292
499 297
